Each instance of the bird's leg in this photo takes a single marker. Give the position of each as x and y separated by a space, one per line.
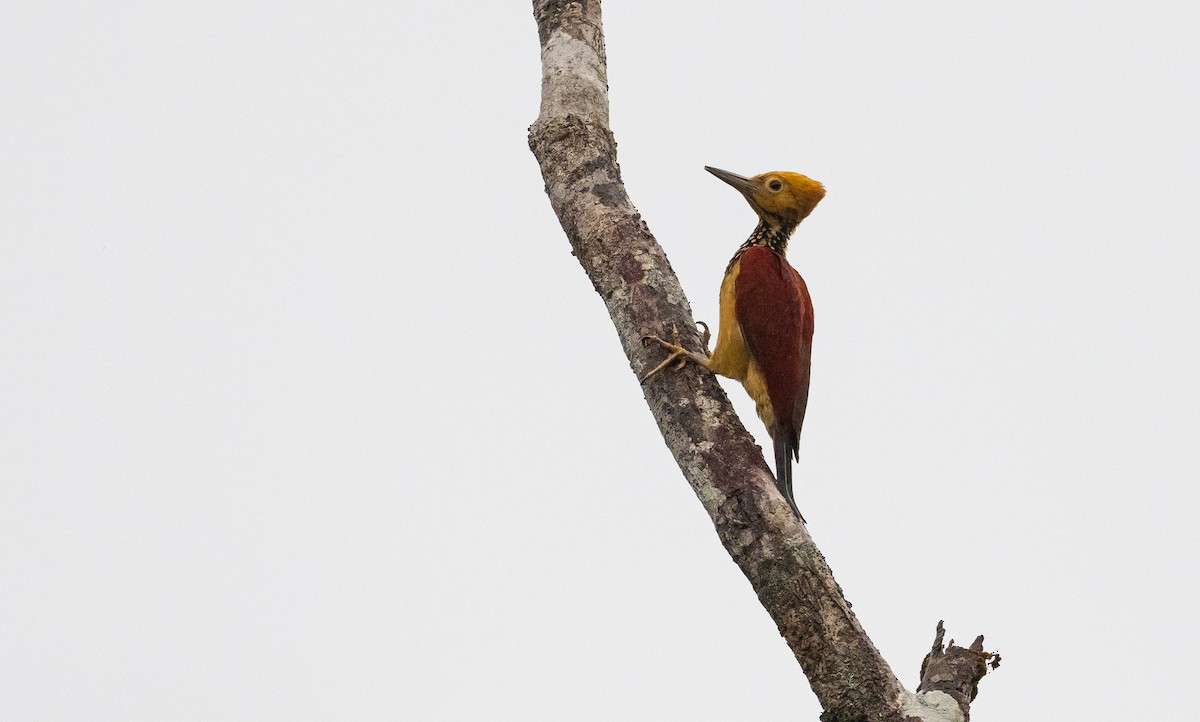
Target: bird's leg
679 355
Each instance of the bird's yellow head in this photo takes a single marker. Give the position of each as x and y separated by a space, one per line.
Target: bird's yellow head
777 197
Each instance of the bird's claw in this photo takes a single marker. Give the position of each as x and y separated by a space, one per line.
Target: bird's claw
679 355
704 337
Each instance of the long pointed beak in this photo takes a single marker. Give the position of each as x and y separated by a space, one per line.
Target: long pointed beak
742 183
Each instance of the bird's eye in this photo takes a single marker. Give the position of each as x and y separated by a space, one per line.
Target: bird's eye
775 184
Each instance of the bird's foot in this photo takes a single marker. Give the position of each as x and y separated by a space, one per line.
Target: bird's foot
679 355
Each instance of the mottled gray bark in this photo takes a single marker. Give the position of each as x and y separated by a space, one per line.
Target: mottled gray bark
577 153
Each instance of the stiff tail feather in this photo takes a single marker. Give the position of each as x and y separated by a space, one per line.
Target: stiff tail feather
785 450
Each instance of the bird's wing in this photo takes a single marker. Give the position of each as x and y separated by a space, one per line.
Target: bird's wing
775 314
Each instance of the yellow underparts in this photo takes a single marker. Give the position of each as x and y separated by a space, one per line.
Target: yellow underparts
731 357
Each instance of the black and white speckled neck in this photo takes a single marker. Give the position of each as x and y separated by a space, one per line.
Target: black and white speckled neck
773 234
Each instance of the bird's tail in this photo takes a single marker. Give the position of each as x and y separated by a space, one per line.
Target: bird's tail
785 450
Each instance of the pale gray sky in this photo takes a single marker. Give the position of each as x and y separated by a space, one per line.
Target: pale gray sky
310 414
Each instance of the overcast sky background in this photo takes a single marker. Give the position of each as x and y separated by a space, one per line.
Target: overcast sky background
309 413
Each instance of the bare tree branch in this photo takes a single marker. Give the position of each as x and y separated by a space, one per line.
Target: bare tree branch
577 153
955 670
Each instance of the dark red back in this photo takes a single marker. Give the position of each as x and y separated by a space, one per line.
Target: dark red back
776 316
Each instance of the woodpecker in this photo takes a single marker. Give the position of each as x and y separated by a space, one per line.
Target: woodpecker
766 315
